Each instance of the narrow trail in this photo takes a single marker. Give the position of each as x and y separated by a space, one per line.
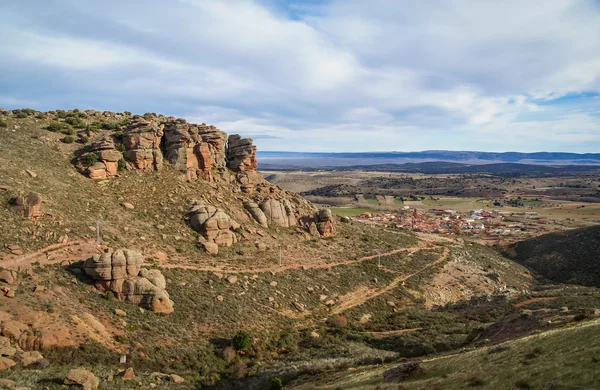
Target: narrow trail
54 254
533 300
382 335
358 297
294 264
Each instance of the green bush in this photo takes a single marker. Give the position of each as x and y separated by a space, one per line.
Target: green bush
122 165
61 113
20 114
242 341
67 130
84 140
276 384
55 127
120 147
75 121
110 125
91 159
68 139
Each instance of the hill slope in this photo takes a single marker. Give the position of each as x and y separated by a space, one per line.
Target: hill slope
567 257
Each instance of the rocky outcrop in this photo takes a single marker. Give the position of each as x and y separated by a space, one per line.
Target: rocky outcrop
241 154
214 224
325 223
29 206
194 149
121 273
141 140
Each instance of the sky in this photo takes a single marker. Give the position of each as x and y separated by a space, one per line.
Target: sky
330 75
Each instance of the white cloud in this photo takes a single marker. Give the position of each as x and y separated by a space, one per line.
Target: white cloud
347 75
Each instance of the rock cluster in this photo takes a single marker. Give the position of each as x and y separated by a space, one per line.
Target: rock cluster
197 150
121 273
29 207
214 224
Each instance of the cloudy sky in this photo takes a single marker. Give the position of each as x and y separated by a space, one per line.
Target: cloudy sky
321 75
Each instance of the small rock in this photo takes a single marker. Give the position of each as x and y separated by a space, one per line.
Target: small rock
7 383
39 288
232 279
128 374
220 298
176 378
210 247
299 306
128 206
391 303
314 335
260 246
273 284
218 275
330 302
120 312
322 297
31 173
31 358
271 299
6 363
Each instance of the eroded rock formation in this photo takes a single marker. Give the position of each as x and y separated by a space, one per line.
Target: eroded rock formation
325 223
214 224
121 273
141 140
108 159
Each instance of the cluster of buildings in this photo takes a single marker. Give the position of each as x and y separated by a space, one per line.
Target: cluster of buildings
493 224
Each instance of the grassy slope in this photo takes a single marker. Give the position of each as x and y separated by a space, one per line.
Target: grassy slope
567 257
529 362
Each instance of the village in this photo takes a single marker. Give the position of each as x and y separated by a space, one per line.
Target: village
492 227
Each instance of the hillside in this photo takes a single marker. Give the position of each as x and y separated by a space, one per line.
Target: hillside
207 275
571 256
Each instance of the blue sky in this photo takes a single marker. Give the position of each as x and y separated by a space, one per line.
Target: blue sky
330 75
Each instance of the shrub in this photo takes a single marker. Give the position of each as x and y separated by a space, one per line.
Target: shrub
68 139
124 122
55 127
339 322
61 113
121 165
67 130
84 140
110 125
120 147
4 124
109 295
21 114
120 339
242 341
76 122
276 384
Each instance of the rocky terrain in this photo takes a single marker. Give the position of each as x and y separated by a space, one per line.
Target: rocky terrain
148 252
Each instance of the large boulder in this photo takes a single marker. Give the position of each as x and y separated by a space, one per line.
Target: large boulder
256 213
121 273
83 378
325 223
214 224
279 213
29 206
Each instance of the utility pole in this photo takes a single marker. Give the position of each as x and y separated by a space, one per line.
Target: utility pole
98 232
379 258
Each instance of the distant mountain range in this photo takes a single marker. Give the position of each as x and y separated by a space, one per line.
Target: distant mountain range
318 159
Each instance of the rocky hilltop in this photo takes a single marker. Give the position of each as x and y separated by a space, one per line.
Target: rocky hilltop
117 142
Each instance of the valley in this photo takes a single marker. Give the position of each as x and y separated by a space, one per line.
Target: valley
151 253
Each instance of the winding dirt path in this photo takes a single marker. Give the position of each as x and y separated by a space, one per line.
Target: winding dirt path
54 254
